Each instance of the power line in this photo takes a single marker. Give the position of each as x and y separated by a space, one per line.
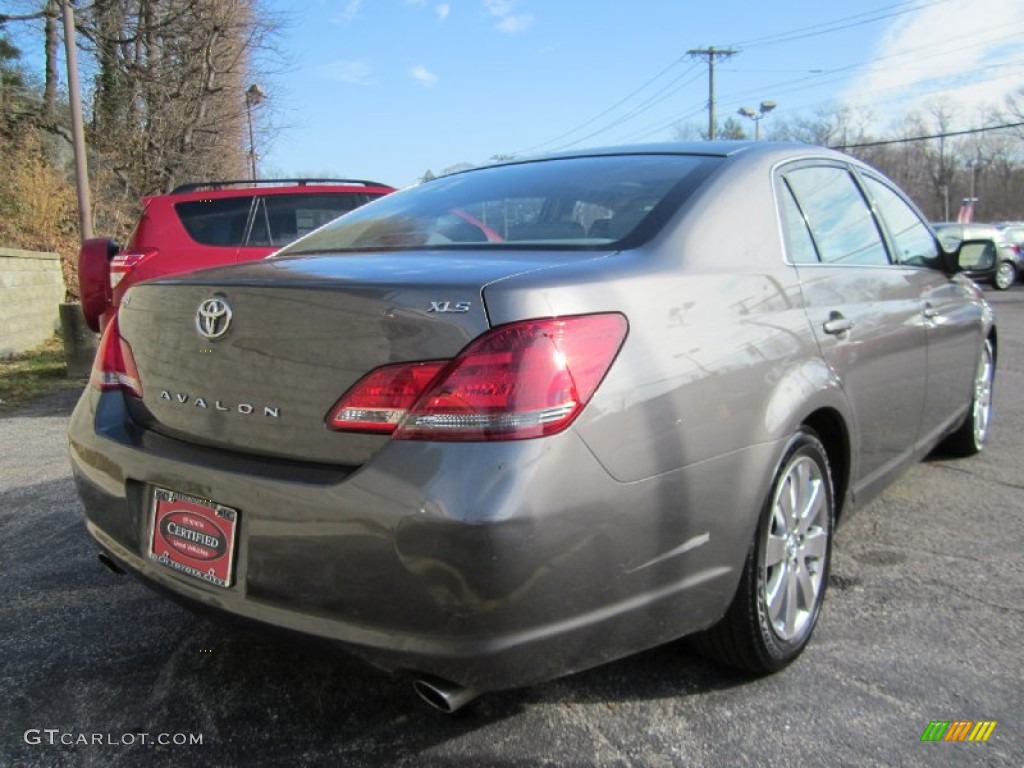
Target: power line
818 78
653 101
944 135
834 76
597 117
838 25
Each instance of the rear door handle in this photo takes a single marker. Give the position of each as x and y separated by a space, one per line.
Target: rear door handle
930 312
837 325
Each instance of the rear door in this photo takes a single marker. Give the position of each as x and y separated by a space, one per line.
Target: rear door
865 311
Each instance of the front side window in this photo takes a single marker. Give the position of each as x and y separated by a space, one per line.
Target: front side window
571 203
911 239
839 218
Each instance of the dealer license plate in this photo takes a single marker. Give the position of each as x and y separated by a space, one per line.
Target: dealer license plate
194 536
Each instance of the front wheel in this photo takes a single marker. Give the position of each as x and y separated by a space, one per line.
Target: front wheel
971 435
779 597
1005 276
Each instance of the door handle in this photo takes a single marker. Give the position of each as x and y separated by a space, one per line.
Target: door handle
930 312
837 325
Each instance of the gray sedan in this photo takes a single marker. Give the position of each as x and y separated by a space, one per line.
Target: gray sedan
522 420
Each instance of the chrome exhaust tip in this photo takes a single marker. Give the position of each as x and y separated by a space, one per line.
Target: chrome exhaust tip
108 562
443 695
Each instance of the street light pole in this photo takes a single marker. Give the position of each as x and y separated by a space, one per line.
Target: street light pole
253 97
757 117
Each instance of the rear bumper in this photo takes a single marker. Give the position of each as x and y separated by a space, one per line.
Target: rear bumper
491 565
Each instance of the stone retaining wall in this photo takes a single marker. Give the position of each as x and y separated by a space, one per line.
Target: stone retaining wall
31 290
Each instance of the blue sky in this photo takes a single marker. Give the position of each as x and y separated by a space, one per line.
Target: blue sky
385 89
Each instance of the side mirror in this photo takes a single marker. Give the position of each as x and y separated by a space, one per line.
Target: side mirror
976 256
948 261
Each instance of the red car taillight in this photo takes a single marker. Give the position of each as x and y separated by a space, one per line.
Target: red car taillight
114 367
526 379
94 278
125 262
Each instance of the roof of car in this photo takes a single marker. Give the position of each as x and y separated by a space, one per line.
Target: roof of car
718 148
722 148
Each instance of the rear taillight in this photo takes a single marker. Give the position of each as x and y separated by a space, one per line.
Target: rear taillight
125 262
522 380
114 367
381 399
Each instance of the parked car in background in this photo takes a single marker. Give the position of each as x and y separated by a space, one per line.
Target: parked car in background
523 420
208 224
996 259
1014 234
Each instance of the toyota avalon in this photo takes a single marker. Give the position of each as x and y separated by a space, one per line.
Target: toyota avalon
526 419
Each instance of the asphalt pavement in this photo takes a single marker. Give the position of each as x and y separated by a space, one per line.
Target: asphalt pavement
923 622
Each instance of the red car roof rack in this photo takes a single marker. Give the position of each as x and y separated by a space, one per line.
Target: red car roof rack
213 185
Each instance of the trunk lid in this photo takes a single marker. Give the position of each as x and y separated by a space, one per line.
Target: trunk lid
301 332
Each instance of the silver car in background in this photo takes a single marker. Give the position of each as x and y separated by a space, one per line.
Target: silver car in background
523 420
992 257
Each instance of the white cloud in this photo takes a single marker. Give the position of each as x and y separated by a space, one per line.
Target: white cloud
352 71
515 23
349 12
953 53
499 7
424 76
508 21
443 10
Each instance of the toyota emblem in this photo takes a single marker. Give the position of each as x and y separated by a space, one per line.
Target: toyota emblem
213 318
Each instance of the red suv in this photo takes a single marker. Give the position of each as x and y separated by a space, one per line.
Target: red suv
208 224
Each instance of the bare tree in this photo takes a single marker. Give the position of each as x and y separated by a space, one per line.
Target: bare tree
169 102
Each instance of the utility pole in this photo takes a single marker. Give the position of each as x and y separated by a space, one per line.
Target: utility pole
710 54
77 129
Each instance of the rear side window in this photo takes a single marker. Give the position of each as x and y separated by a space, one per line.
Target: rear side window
840 221
571 203
271 220
799 245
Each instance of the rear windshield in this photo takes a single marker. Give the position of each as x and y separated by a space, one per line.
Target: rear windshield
572 203
258 220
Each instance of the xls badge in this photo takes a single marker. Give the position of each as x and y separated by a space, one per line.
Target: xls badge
213 318
455 307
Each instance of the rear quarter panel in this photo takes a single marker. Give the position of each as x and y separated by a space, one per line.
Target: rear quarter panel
719 367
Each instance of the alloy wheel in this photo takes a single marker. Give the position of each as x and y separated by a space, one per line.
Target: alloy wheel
796 549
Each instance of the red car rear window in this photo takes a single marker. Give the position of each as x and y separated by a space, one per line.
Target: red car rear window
261 221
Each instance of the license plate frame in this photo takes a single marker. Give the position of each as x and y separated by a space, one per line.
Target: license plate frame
194 536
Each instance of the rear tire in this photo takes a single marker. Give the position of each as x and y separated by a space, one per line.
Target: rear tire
970 437
780 594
